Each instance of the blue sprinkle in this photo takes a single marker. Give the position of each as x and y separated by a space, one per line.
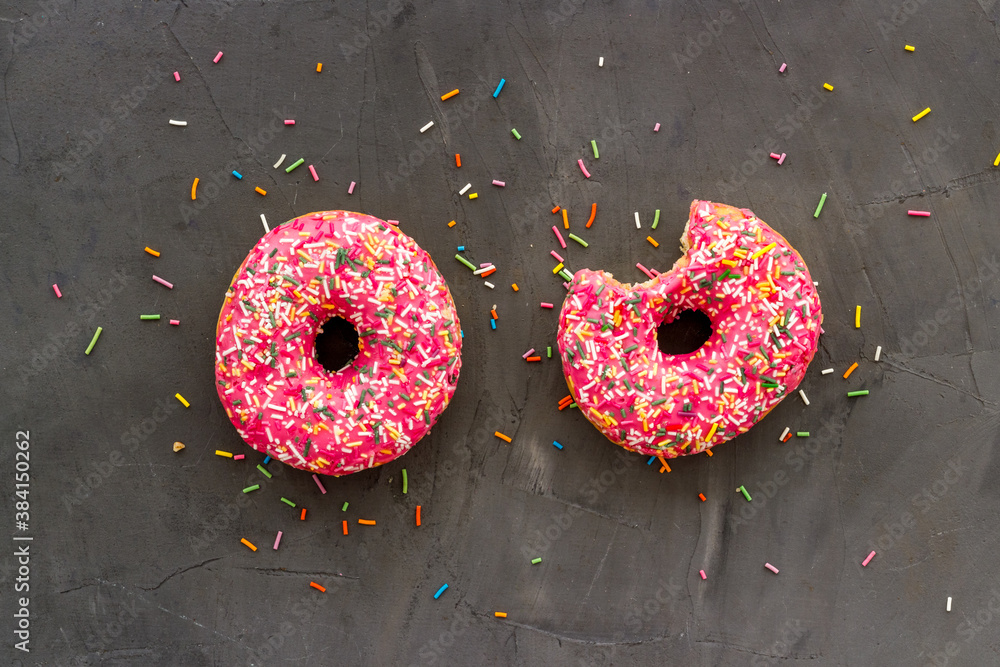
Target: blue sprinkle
493 323
557 444
266 460
650 461
440 591
238 175
461 248
462 332
497 91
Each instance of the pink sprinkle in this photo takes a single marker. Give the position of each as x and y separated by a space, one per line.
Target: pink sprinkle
163 282
289 122
238 457
775 156
781 159
702 573
394 223
319 484
868 560
176 323
527 354
350 190
583 169
922 214
276 540
546 304
218 57
771 568
58 293
556 255
644 270
499 184
783 66
485 264
656 128
312 170
177 76
559 236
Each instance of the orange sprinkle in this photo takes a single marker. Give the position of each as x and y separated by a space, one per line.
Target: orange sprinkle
247 543
850 370
702 496
653 241
565 219
565 405
152 252
418 515
493 312
500 614
664 462
366 522
557 209
317 587
568 398
788 437
593 214
448 96
458 160
491 271
534 358
345 528
514 286
319 67
302 517
709 452
260 191
501 436
194 189
451 224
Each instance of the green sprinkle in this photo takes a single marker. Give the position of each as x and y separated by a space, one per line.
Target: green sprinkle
404 480
802 434
567 276
466 262
297 163
822 200
746 495
251 488
516 134
287 502
370 332
579 240
659 401
149 317
344 508
264 471
630 348
593 144
93 341
548 352
656 218
852 394
536 561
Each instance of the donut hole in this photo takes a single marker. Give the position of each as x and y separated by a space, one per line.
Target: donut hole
336 344
685 333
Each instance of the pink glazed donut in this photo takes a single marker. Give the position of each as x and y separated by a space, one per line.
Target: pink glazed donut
279 397
766 319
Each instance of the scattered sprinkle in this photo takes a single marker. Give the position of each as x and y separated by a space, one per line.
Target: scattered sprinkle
583 168
277 540
819 207
828 86
93 341
317 587
921 114
515 133
56 288
860 392
179 123
865 562
771 568
215 60
499 88
163 282
922 214
448 96
182 400
850 370
440 591
501 436
426 127
878 352
244 540
536 561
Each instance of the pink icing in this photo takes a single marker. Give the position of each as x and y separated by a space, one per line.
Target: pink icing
766 317
281 400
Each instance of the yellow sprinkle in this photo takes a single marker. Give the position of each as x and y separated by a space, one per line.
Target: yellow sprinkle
828 86
182 400
558 268
473 195
500 614
451 224
219 452
921 114
711 432
857 318
910 48
763 250
996 163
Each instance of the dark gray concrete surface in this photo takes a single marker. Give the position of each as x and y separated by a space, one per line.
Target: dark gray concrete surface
136 558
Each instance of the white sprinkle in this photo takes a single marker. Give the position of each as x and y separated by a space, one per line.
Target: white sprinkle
484 270
427 127
280 160
949 605
181 123
264 220
637 220
783 434
805 399
878 353
488 284
600 61
465 189
827 371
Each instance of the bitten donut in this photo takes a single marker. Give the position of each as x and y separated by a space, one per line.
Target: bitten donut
766 319
279 397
